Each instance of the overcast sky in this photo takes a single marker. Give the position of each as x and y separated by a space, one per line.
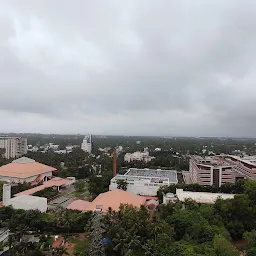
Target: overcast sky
177 68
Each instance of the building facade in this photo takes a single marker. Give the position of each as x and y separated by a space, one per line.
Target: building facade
145 182
218 170
25 170
87 144
138 156
13 147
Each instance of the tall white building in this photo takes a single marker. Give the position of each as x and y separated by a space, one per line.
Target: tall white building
87 144
13 147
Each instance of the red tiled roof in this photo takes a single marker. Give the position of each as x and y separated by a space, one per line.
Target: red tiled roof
114 199
31 191
58 242
24 170
55 182
79 205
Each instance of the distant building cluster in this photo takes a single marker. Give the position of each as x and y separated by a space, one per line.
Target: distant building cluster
13 147
218 170
87 144
53 147
145 181
138 156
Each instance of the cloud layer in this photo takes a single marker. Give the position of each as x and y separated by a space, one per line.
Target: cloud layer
145 67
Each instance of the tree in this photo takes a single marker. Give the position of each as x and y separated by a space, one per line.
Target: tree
122 184
79 185
250 189
60 251
35 253
251 247
223 247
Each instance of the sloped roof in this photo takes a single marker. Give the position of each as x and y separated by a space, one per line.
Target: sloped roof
79 205
23 168
58 242
55 182
114 199
30 191
152 201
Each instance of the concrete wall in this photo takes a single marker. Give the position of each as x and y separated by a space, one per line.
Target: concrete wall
139 189
6 194
40 204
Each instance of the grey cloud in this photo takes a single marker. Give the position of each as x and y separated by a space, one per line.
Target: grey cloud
128 67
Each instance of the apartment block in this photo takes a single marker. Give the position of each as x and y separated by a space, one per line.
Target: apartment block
13 147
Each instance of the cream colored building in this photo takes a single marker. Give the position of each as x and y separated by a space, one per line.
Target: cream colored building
13 147
25 170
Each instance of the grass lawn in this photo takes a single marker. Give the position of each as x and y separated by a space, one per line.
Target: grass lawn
81 245
83 193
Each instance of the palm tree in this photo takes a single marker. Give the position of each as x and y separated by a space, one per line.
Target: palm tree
61 251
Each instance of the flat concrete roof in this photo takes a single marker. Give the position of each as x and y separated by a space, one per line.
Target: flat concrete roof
152 173
201 197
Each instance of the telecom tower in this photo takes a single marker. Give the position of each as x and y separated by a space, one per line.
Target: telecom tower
97 247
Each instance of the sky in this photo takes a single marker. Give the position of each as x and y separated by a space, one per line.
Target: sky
167 68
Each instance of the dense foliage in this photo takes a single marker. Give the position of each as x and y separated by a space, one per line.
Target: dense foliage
185 229
22 223
79 185
47 192
99 185
58 221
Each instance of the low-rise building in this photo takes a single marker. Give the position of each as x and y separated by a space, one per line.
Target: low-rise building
111 199
199 197
25 170
145 181
24 202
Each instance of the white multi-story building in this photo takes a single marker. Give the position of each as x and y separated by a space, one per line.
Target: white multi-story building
138 156
87 144
13 147
145 182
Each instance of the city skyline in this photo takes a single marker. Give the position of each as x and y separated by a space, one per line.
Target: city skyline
128 68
